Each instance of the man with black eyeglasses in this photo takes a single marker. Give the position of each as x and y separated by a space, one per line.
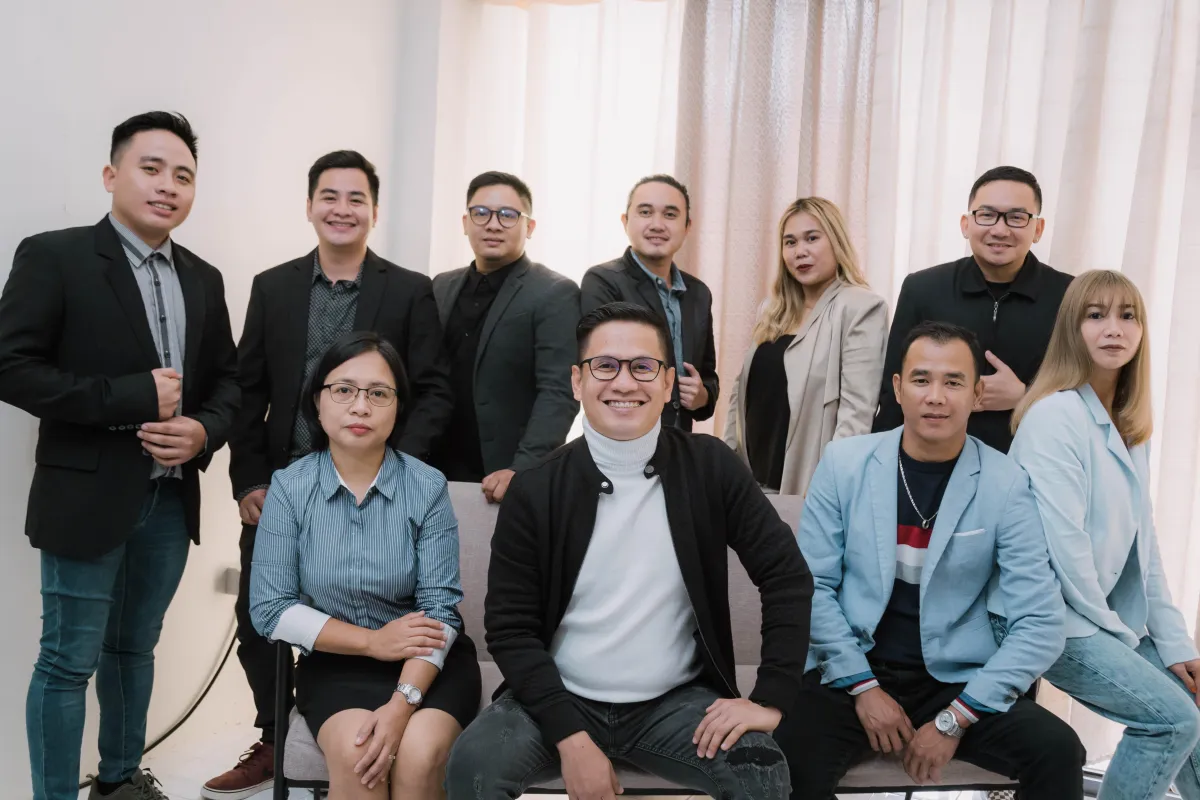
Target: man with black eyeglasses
1001 292
509 326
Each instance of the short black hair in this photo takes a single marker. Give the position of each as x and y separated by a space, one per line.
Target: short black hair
943 333
494 178
622 312
669 181
343 159
171 121
347 346
1014 174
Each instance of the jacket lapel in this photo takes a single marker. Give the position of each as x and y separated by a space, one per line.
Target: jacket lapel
818 311
512 285
960 491
446 295
194 309
293 302
881 479
370 294
124 286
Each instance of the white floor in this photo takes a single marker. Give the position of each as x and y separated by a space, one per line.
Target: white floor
220 730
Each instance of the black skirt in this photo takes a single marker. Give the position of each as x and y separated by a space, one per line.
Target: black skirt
329 683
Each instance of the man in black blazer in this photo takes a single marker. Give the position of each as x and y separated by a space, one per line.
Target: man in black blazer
296 311
117 339
509 324
657 218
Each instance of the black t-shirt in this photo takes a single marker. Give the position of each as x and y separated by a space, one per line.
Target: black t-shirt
768 413
898 636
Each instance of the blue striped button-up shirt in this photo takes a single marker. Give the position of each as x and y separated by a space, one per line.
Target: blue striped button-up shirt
319 554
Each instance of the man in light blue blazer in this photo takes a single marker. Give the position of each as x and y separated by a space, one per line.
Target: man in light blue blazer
913 535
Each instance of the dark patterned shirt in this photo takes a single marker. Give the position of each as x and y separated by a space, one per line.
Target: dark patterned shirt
331 309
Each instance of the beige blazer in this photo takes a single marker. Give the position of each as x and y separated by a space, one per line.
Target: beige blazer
834 367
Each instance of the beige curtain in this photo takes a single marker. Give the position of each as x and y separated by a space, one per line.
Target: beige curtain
891 108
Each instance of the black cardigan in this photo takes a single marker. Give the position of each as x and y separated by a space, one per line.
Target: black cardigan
713 503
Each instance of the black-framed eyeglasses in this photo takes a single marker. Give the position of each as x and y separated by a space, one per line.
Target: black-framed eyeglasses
607 368
482 215
346 393
987 217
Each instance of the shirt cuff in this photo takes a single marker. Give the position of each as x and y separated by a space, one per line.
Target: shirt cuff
970 708
242 495
438 657
857 684
300 625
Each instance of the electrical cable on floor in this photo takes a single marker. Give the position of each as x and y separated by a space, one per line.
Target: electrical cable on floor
195 704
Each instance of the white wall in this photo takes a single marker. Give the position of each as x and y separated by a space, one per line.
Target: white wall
269 86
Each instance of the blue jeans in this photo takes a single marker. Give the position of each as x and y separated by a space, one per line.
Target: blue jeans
103 616
1133 687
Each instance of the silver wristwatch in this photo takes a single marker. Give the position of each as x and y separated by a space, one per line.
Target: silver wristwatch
947 724
412 695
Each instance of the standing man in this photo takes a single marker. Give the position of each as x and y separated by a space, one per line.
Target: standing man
916 538
658 215
608 599
297 310
117 339
509 325
1001 293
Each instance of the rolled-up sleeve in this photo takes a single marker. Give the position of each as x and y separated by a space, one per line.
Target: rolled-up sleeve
276 607
439 588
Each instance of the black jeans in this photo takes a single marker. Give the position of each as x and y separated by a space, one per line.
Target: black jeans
502 753
255 652
823 737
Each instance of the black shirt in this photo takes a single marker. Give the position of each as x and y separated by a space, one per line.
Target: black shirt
458 455
1012 321
898 636
768 412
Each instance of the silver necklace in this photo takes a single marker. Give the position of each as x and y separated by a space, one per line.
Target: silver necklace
925 523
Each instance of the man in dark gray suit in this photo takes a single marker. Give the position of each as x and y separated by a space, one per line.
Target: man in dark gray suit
510 332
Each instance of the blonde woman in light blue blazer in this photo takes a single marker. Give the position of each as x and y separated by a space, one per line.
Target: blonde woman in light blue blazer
1082 434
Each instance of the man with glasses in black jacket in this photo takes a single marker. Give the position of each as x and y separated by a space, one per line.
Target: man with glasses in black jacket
1001 292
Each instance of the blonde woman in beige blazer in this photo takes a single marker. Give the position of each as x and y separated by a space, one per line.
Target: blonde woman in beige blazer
813 372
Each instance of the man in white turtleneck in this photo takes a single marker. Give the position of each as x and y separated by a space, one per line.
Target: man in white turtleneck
607 608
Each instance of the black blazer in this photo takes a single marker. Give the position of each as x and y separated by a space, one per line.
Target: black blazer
623 279
713 504
76 352
394 302
1015 326
523 398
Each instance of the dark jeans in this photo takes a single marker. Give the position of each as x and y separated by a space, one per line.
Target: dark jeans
502 752
823 738
255 652
103 616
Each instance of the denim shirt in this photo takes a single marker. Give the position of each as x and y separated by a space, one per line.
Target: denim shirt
670 299
318 554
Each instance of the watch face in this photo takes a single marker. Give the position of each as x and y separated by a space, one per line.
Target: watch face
944 721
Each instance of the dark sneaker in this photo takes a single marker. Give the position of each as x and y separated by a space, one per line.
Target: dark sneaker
144 786
254 773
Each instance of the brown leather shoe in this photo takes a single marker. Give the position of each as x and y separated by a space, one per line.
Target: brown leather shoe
254 773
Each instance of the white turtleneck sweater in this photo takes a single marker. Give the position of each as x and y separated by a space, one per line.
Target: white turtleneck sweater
627 634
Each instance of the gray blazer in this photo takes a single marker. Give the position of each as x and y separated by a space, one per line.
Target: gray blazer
523 397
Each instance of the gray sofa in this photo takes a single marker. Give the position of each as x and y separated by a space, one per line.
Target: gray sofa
300 763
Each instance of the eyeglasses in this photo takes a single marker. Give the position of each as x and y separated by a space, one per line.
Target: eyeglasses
482 215
607 368
987 217
346 393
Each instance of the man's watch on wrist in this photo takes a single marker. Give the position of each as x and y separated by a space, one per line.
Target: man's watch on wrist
411 694
947 724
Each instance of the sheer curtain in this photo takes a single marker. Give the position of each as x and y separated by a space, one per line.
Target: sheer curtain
577 98
891 108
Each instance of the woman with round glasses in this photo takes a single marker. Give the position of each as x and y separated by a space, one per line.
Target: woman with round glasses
356 563
812 373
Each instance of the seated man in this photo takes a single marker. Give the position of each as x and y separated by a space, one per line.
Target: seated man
608 601
903 657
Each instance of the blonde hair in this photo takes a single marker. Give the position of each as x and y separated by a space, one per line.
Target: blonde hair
1069 365
784 308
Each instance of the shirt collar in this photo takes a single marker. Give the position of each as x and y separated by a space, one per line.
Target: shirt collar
496 278
132 243
1028 282
677 284
319 274
385 480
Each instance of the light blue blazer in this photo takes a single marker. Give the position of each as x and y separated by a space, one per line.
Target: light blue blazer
1094 496
987 550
